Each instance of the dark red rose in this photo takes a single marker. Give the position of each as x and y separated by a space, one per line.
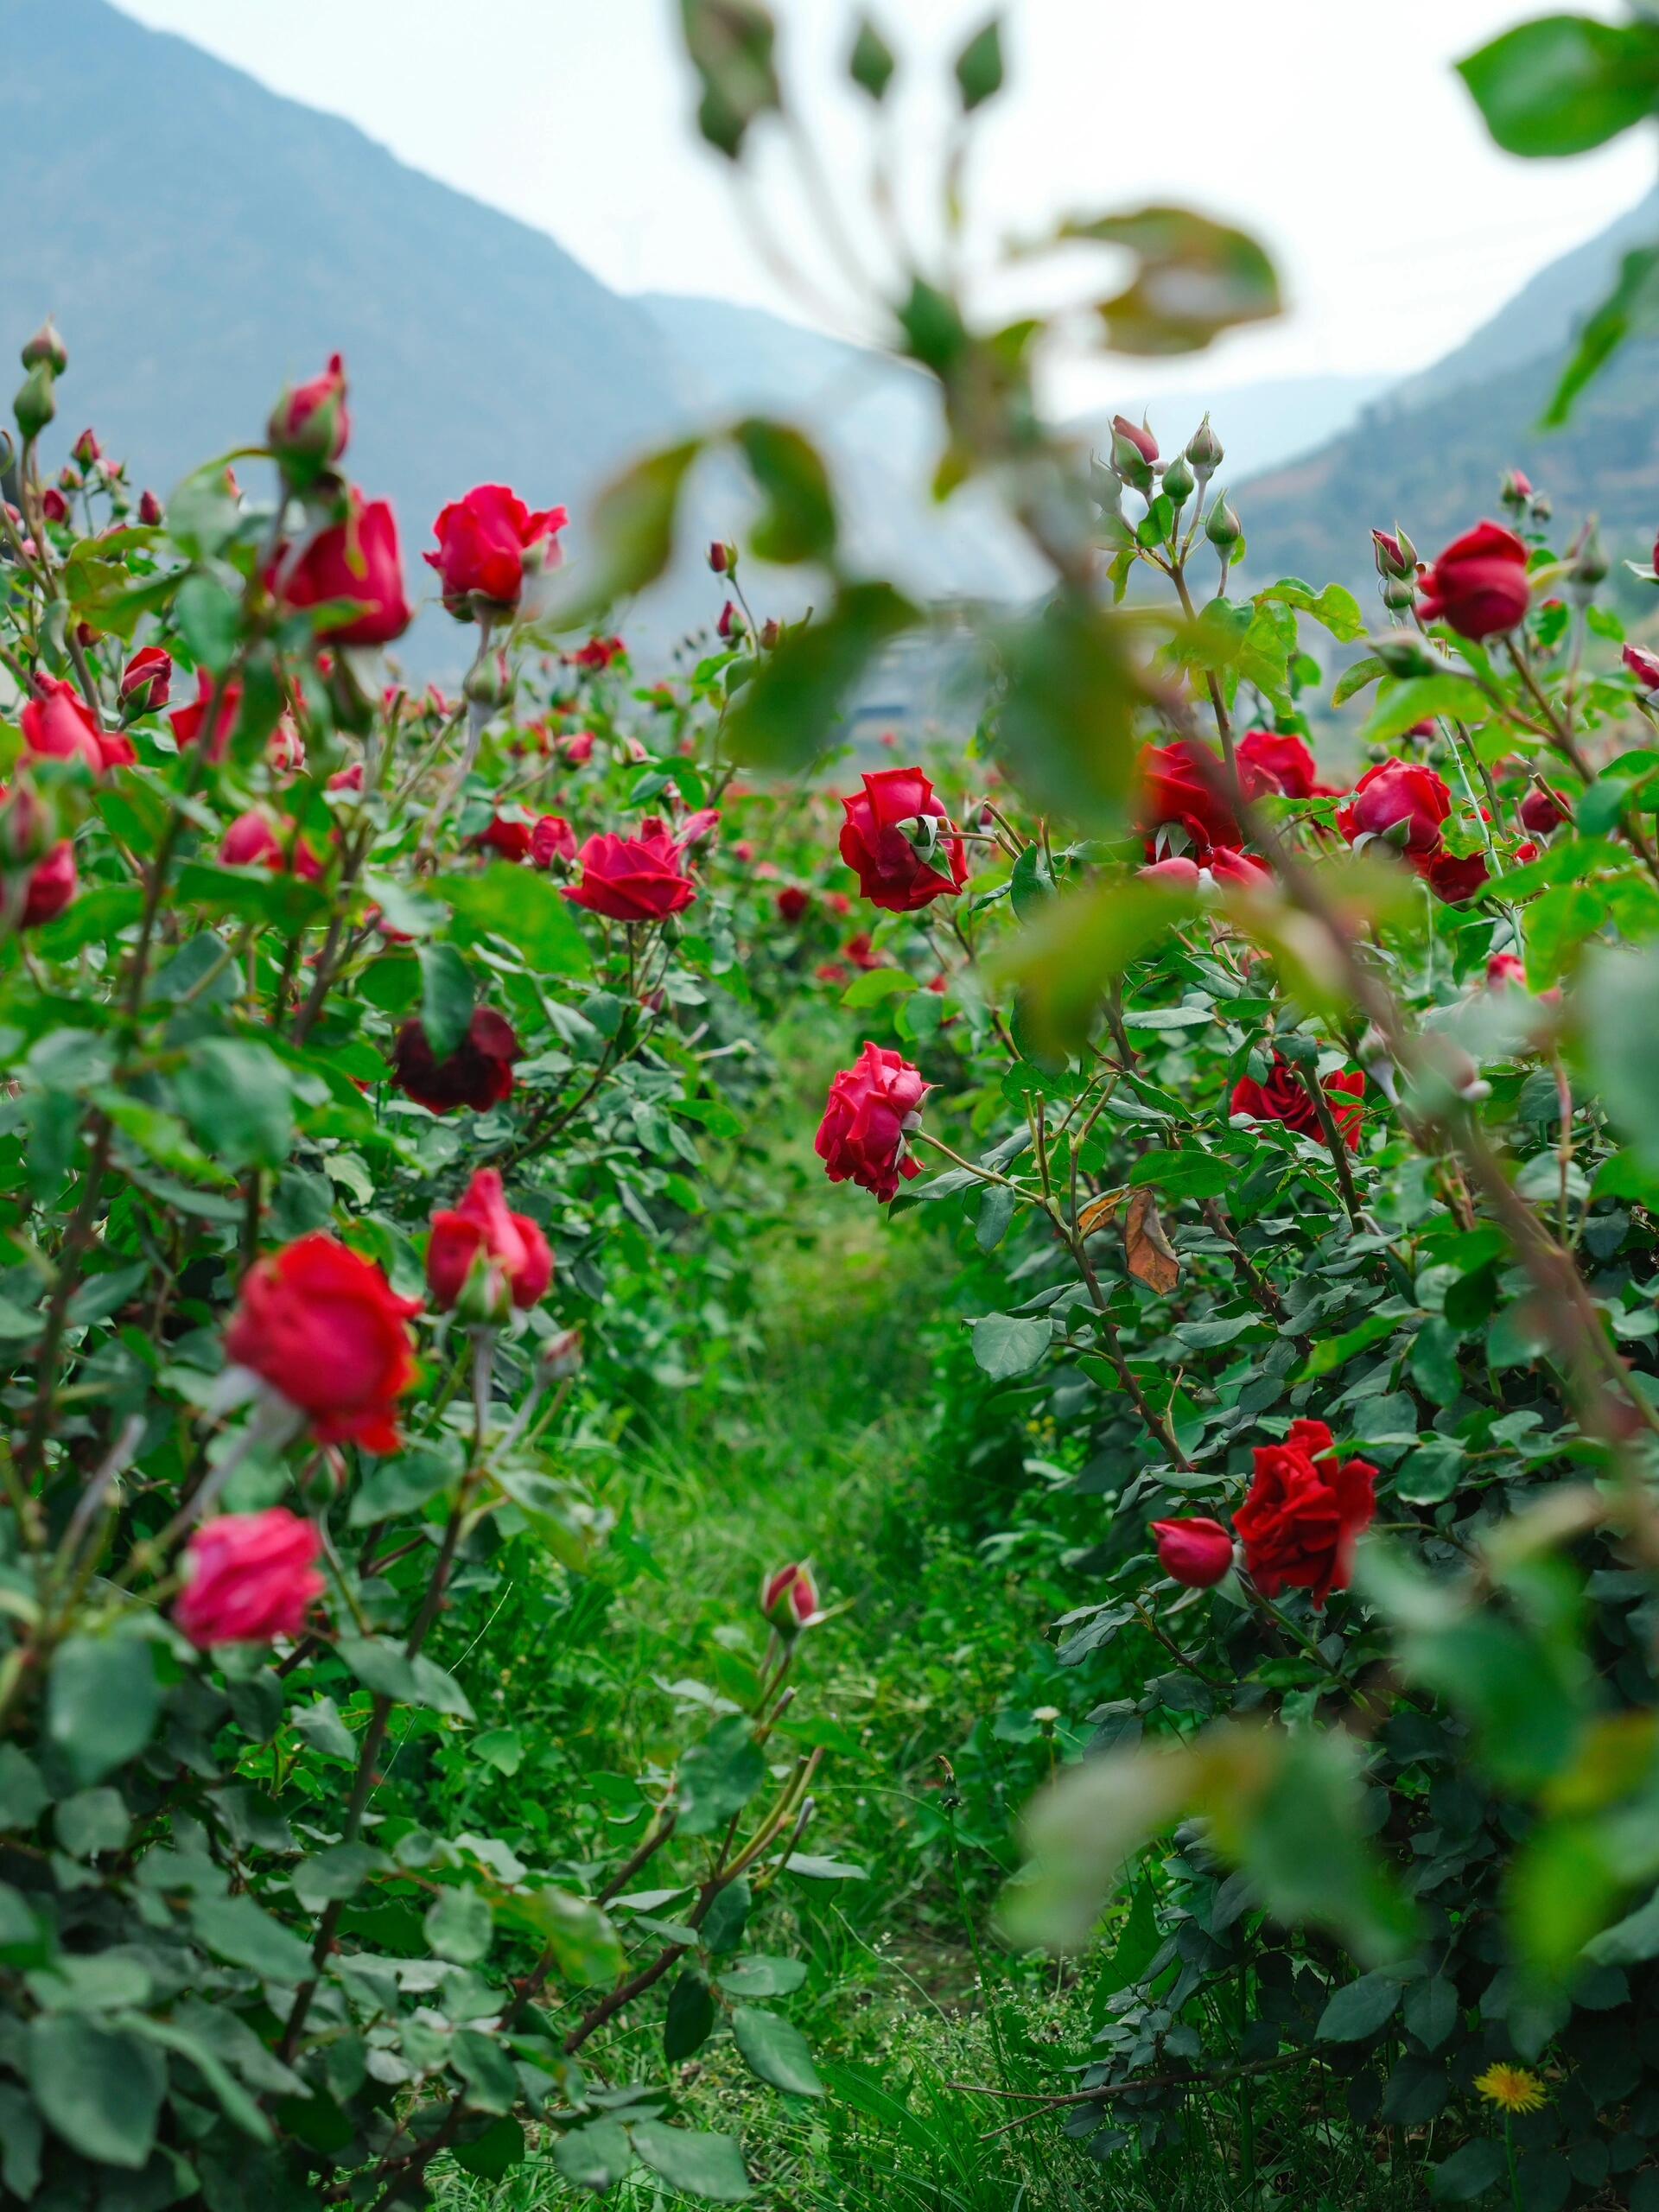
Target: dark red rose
309 426
1542 811
1277 761
51 886
1283 1097
483 541
901 864
53 506
552 839
862 954
188 722
478 1073
325 1330
1401 802
249 1578
357 559
512 840
1455 879
145 682
1197 1552
872 1107
1304 1513
508 1250
633 879
1479 584
792 902
58 725
150 510
1173 795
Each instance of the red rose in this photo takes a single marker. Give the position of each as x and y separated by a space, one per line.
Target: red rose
150 510
1542 811
792 902
509 1249
146 681
52 885
252 841
577 749
789 1600
1283 1097
53 506
552 839
1479 584
60 725
1398 792
872 1105
325 1330
478 1073
357 559
633 879
599 653
1172 794
1197 1552
1275 760
839 903
1455 879
189 721
511 840
347 779
86 451
1503 969
1220 865
901 863
862 954
309 427
832 972
1642 665
482 543
1304 1514
249 1578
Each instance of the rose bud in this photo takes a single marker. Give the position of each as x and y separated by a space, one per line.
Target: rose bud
87 450
722 559
789 1601
150 510
561 1357
731 623
1134 453
324 1330
145 682
1223 529
1204 449
1642 665
1515 487
46 349
482 1253
771 631
53 506
1179 482
58 725
792 902
478 1073
1504 969
1542 811
1197 1552
1479 585
252 841
35 404
1589 564
249 1578
1395 553
347 779
359 560
309 427
552 839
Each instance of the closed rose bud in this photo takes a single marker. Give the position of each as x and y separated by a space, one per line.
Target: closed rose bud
150 509
1204 450
1395 554
1644 666
145 682
1542 811
771 631
561 1356
309 427
46 349
1179 482
87 450
1135 452
731 623
1399 592
489 683
720 557
53 506
789 1601
35 404
1223 530
1515 487
1197 1552
1504 969
483 1252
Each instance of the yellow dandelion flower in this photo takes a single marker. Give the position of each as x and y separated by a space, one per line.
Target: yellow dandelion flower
1512 2089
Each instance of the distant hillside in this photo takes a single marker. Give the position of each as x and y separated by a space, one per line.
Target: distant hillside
1430 452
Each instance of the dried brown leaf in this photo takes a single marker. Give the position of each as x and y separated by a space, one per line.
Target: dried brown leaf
1151 1258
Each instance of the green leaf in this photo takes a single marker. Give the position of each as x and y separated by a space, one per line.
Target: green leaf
875 985
718 1776
1196 278
727 1919
103 1701
1064 962
979 66
585 1947
596 2157
786 716
288 903
384 1668
1335 609
871 65
635 523
97 917
236 1096
524 908
1420 698
1137 1945
1333 1352
446 997
1619 998
487 2070
501 1748
20 2135
1563 84
210 619
1065 730
798 523
1355 2013
493 2153
690 2020
710 2166
776 2050
1032 884
1007 1344
1556 924
1468 2174
100 2087
1630 309
458 1925
762 1977
242 1932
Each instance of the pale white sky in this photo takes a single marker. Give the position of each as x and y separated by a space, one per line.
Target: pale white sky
1333 128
